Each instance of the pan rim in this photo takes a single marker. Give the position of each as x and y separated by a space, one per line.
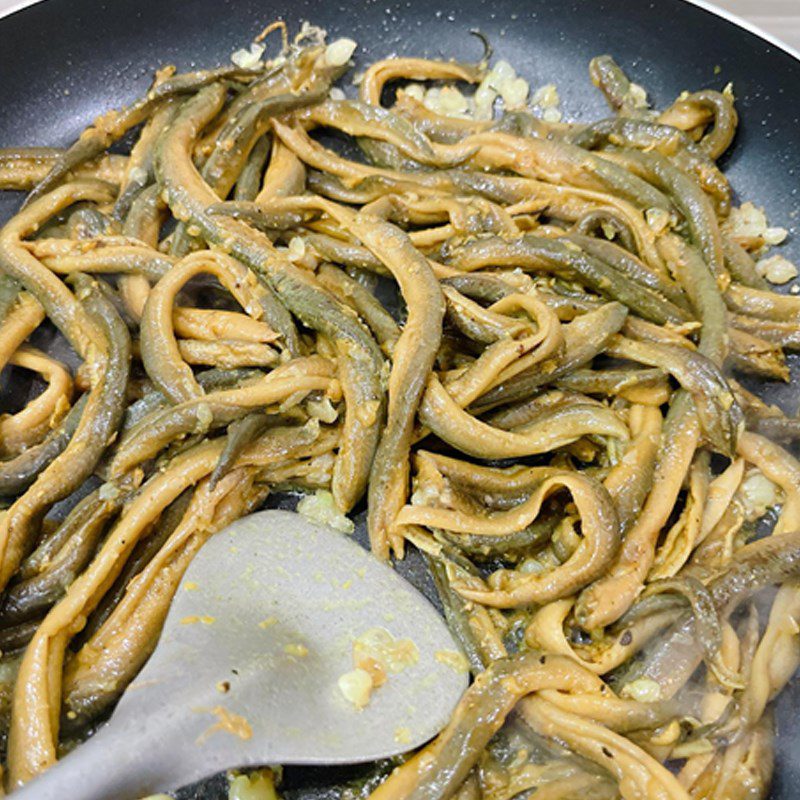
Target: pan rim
706 5
740 22
772 47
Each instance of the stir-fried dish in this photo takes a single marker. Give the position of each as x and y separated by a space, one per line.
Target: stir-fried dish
548 406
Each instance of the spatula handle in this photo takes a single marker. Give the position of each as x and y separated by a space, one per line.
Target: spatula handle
104 767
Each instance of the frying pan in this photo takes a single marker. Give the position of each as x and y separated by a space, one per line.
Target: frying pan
65 61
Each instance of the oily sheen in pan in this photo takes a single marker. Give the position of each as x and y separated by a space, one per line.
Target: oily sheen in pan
554 417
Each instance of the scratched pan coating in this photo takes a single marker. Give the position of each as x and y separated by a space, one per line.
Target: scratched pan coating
65 61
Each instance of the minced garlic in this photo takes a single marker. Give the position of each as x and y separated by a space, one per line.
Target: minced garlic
645 690
296 249
658 219
758 494
773 236
747 221
256 785
546 96
777 269
322 410
338 53
637 96
249 59
356 686
319 507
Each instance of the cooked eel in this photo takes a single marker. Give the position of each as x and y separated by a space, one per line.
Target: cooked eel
514 338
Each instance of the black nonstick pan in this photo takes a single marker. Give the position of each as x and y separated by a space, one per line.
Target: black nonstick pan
62 62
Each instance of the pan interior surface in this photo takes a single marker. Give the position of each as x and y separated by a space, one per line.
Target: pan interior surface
63 62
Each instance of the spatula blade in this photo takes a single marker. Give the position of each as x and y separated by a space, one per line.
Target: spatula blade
263 626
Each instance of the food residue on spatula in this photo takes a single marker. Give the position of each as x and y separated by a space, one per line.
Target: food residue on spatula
228 722
193 619
453 659
376 655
